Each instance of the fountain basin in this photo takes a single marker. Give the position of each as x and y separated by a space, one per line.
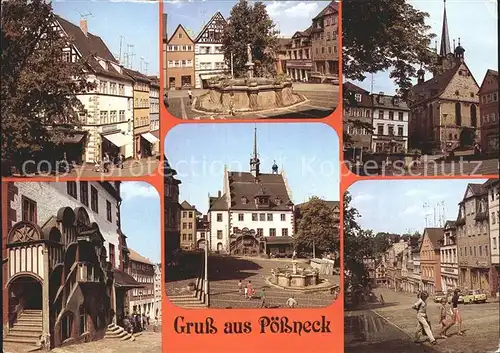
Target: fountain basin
247 95
288 279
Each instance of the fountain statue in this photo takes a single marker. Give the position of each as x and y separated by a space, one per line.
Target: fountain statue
294 267
228 95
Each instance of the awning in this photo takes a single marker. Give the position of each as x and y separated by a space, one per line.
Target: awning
149 137
116 139
73 138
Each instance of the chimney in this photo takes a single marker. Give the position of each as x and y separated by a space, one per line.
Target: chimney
219 193
84 26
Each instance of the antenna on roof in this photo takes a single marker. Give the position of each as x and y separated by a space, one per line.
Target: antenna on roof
426 214
85 15
120 55
146 63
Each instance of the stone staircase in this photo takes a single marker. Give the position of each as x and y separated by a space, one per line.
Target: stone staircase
118 333
188 301
27 329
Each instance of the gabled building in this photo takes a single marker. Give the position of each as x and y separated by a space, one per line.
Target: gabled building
208 55
325 50
358 108
107 115
299 62
430 263
142 300
253 215
189 216
493 189
473 239
179 57
417 271
390 124
444 110
449 257
490 118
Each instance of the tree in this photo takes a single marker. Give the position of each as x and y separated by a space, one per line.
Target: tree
317 224
252 25
357 244
380 35
38 87
467 137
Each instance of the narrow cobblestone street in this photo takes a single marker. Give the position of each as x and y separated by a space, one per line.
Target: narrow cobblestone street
396 327
146 342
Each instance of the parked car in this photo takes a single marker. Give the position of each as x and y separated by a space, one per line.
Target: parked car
475 296
438 296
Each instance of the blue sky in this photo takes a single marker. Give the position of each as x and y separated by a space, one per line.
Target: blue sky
137 22
141 218
308 153
474 21
398 206
289 16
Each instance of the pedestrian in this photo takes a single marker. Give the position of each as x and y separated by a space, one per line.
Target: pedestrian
105 162
291 302
457 318
246 292
423 323
155 327
139 155
382 299
190 95
250 291
165 100
144 322
445 324
147 319
263 298
231 104
240 287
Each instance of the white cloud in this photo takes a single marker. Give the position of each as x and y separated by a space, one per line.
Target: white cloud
412 210
362 197
136 189
293 16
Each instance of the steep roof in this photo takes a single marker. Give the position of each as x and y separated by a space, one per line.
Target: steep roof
244 188
450 225
135 256
389 102
476 190
187 206
366 101
488 72
435 235
91 46
137 76
333 6
217 17
305 33
184 30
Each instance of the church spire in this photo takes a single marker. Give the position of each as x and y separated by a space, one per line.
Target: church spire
445 35
254 161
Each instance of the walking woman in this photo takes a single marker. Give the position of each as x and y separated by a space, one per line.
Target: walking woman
457 319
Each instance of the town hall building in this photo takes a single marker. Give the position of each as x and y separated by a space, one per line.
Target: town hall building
253 215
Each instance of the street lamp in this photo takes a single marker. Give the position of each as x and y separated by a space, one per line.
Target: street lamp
205 283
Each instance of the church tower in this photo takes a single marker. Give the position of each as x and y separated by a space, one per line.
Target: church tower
254 161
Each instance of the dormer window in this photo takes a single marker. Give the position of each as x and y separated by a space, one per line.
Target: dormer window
278 202
357 97
104 64
244 200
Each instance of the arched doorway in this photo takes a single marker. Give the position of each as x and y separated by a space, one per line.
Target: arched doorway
219 246
25 292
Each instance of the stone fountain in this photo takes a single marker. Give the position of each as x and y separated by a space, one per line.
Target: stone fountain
295 278
248 94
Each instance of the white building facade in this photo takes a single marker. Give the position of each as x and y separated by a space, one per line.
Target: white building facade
157 292
208 55
390 123
37 202
449 258
107 115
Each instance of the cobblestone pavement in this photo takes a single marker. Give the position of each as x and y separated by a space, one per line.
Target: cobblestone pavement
146 342
225 272
480 323
321 102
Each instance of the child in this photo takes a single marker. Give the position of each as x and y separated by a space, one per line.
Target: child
422 321
246 292
445 324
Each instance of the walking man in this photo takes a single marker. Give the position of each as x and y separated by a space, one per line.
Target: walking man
291 302
422 321
190 95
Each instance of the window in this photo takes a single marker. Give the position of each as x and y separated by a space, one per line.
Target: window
190 237
494 243
260 232
112 254
29 210
283 217
219 234
184 225
71 188
104 116
112 116
190 225
380 114
219 217
190 214
262 217
391 115
272 232
493 218
400 116
458 114
109 216
180 35
270 217
241 217
66 326
121 115
254 217
400 130
84 192
184 237
391 130
380 129
284 232
184 214
94 203
357 97
66 56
